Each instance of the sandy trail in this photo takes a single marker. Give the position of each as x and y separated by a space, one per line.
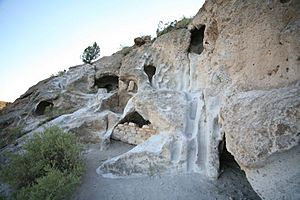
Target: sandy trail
232 183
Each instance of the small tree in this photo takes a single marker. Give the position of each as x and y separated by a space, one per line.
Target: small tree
90 53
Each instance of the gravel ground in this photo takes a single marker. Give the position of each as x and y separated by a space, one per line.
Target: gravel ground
232 183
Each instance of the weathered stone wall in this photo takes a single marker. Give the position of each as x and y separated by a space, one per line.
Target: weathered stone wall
253 68
244 85
133 134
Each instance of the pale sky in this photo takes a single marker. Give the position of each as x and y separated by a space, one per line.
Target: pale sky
41 37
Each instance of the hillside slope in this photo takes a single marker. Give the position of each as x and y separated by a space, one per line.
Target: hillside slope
230 80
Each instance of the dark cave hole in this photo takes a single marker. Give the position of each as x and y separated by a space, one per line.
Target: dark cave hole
109 87
136 118
42 106
109 82
226 158
196 45
230 170
150 71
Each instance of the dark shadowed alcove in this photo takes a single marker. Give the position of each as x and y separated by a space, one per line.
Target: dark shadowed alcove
42 106
196 45
231 172
227 161
109 82
136 118
150 71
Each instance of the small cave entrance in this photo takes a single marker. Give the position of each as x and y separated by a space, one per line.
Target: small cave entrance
135 118
43 107
197 36
231 172
226 159
109 82
133 129
150 71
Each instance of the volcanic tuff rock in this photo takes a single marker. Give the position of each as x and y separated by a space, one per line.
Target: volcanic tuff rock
233 74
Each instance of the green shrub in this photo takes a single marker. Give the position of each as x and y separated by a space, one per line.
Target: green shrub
51 186
51 159
163 28
90 53
9 135
2 197
184 22
22 170
125 50
56 148
59 73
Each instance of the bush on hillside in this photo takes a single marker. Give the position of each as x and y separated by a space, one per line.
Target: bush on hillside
50 168
9 135
125 49
59 73
90 53
55 185
163 28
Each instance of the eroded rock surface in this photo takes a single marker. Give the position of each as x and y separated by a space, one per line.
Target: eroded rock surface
233 74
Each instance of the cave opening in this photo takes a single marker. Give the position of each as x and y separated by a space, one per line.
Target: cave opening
43 106
231 171
109 82
135 118
197 36
226 158
150 71
133 129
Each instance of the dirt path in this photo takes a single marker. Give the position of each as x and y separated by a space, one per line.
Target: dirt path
232 183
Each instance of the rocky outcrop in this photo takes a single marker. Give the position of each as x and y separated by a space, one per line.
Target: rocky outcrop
270 119
3 104
232 77
262 132
139 41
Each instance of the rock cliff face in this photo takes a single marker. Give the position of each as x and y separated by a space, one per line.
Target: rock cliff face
231 78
